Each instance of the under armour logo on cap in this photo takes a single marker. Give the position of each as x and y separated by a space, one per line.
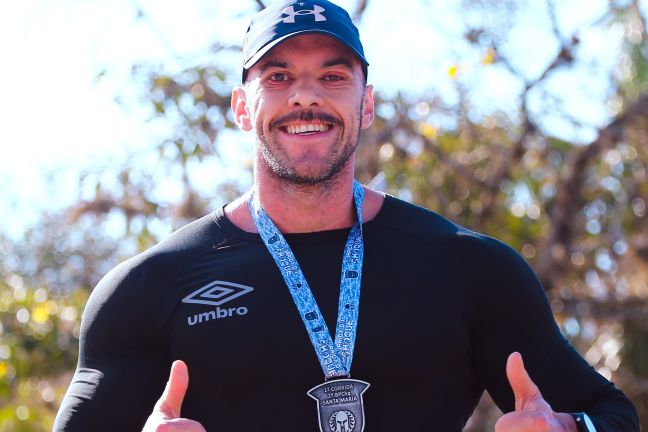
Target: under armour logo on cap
284 19
290 11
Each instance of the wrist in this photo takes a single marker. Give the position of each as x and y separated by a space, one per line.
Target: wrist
566 422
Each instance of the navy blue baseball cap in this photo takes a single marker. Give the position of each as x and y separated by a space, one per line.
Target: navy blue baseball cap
285 19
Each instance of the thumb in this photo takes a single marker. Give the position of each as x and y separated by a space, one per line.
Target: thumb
170 403
523 388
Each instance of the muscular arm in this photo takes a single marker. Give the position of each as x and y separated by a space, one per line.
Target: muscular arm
512 314
123 348
120 372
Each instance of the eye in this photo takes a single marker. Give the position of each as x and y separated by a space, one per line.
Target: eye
333 78
278 77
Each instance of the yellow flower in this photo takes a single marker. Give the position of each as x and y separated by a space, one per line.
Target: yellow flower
40 314
453 71
3 369
489 57
427 130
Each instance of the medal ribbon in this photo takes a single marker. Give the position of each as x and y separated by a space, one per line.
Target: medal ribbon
334 357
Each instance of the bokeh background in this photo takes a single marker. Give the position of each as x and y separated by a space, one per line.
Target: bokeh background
523 119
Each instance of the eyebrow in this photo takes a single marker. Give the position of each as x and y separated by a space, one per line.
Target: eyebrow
329 63
272 63
344 61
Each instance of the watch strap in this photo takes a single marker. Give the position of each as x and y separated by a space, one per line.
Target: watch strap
583 422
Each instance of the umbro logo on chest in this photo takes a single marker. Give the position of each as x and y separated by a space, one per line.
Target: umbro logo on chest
217 293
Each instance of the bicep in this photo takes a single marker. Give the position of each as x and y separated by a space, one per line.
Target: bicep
513 314
109 398
122 365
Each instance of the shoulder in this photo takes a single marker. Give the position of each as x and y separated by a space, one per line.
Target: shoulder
203 233
481 254
500 281
408 219
142 277
127 313
165 257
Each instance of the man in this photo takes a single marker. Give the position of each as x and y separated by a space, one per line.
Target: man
253 301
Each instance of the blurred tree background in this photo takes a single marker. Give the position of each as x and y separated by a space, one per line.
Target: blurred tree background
575 209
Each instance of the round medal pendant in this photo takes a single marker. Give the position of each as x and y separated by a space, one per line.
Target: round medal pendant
339 405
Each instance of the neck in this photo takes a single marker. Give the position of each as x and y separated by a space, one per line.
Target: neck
305 208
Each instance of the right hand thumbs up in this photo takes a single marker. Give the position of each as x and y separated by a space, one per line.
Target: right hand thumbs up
166 414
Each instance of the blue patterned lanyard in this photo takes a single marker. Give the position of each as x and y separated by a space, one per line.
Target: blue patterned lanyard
334 357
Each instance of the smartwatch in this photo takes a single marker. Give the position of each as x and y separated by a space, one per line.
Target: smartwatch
583 422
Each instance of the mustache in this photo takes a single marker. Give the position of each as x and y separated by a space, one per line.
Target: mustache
305 116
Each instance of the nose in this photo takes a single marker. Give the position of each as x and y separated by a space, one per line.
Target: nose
306 94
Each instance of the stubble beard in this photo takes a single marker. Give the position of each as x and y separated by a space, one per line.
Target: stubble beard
280 166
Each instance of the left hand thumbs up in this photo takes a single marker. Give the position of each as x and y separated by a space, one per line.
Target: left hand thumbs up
527 394
532 413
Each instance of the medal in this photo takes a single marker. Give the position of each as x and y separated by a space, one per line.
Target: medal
339 405
339 399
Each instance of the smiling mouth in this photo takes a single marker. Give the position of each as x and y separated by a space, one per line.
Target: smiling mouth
306 128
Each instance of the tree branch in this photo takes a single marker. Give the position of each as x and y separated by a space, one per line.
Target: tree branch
457 167
637 10
569 197
502 172
359 10
632 310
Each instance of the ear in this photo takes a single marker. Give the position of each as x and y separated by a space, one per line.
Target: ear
368 107
240 109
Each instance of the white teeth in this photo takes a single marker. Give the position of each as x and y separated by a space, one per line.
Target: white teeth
303 128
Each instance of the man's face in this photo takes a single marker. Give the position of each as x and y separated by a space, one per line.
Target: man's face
306 101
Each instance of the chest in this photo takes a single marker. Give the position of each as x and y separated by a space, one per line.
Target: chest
240 332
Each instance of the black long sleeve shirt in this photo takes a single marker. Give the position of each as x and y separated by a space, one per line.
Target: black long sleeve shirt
441 308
